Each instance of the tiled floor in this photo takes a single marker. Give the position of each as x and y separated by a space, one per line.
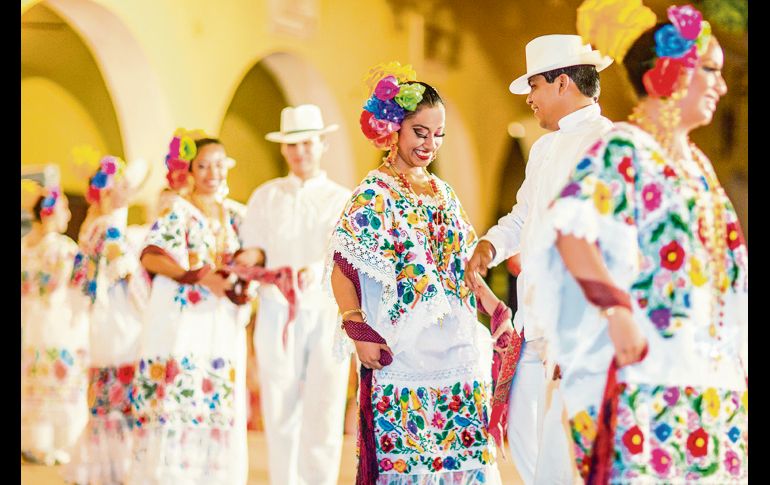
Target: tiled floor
41 475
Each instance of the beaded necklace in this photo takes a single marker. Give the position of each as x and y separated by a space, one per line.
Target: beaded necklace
709 196
217 223
437 220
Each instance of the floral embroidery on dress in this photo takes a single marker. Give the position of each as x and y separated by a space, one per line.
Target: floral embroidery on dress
673 256
109 391
53 373
191 391
688 432
46 266
103 249
583 429
393 236
431 429
185 235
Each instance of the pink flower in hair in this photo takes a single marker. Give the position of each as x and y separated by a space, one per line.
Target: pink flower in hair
387 88
686 19
173 147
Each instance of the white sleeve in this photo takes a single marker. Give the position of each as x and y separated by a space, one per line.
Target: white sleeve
253 223
505 236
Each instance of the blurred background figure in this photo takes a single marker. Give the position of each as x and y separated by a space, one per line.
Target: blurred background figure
107 295
189 393
54 348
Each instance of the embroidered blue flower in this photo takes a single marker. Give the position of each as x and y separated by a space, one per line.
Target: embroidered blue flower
113 233
670 43
662 432
734 434
218 363
361 220
450 463
584 163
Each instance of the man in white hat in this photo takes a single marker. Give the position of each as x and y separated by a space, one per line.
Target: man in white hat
562 88
302 385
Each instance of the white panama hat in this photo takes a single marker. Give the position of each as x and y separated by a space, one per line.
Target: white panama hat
549 52
300 123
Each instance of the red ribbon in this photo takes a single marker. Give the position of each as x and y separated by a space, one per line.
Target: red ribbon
504 365
603 451
282 278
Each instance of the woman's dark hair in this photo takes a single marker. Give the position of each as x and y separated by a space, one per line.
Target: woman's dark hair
202 142
640 58
37 208
585 77
430 98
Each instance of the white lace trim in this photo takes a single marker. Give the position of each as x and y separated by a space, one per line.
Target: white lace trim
464 373
546 270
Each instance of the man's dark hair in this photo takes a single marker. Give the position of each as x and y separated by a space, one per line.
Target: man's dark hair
585 77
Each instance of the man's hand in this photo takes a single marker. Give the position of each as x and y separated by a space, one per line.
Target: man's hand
369 353
477 265
626 337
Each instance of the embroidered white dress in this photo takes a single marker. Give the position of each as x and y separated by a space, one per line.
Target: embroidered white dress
189 393
431 404
683 411
54 363
103 282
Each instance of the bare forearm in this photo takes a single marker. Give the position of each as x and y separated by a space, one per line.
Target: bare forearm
583 259
345 294
162 265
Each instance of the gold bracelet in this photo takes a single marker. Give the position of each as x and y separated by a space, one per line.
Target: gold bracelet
356 310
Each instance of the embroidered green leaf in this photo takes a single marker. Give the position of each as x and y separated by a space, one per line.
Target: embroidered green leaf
658 232
408 297
622 204
419 422
697 403
677 221
187 393
690 204
375 222
643 284
716 445
678 451
388 390
704 472
456 389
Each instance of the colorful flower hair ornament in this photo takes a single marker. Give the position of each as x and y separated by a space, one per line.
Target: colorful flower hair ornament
181 151
678 46
111 168
50 200
390 98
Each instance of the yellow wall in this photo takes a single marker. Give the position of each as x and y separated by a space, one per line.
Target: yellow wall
201 50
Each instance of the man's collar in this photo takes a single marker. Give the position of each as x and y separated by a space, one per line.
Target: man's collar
298 182
576 118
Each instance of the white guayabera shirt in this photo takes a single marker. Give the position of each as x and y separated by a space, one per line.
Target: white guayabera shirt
551 159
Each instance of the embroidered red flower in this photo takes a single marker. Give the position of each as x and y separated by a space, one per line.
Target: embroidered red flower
194 296
172 370
467 438
161 392
207 386
669 172
660 81
455 404
672 256
384 404
437 465
734 235
634 440
698 443
626 169
386 464
126 374
386 444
